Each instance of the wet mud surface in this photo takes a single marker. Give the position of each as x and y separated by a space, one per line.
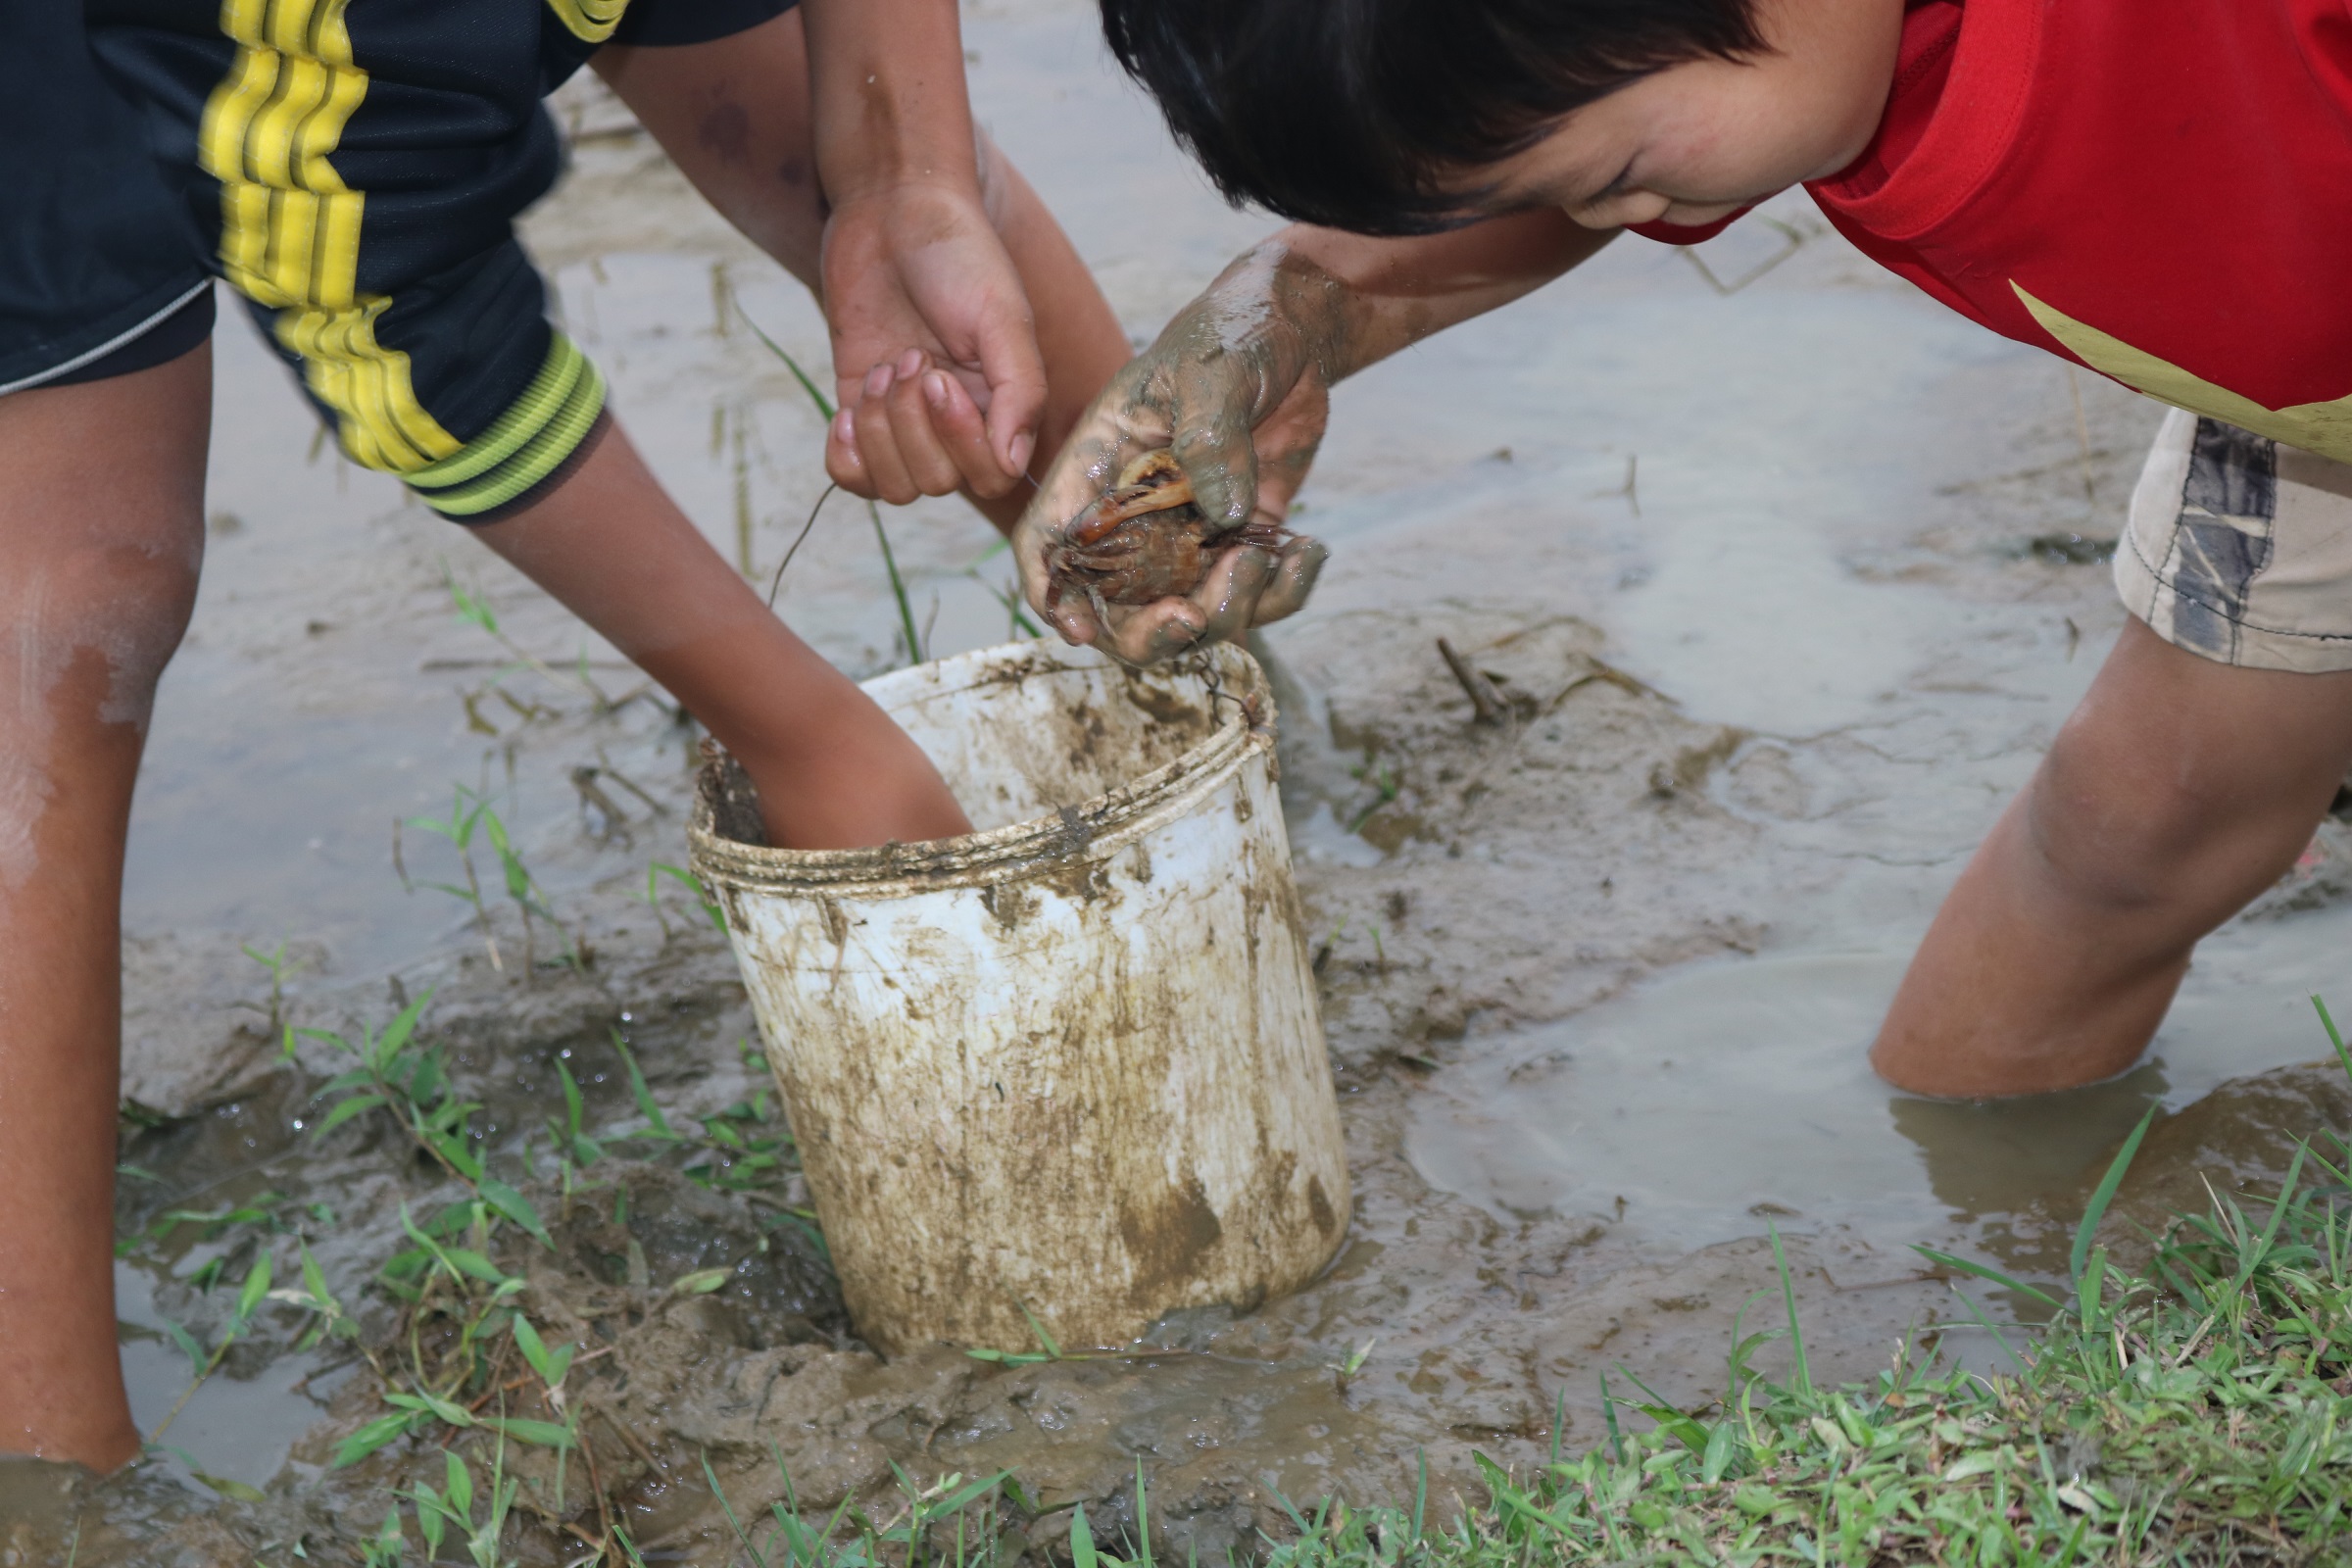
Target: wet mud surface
1780 593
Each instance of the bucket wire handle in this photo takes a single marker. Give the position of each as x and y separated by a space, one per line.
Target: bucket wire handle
797 541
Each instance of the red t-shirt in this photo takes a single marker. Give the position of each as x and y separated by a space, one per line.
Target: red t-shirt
2161 191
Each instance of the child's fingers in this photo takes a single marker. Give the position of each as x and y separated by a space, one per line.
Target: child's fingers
918 443
877 442
1016 371
845 465
1228 596
962 429
1295 572
1152 632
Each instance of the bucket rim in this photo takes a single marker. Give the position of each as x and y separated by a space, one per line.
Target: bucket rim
1091 830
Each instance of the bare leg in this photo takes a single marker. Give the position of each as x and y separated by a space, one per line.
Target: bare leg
734 116
2177 792
832 771
102 529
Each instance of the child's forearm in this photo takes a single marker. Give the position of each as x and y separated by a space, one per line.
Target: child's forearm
831 769
890 106
1356 299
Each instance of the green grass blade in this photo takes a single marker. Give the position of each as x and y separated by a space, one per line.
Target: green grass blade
898 588
645 1096
2333 1038
1039 1329
2004 1281
2100 1198
824 404
2251 1261
728 1509
1796 1335
1989 1326
515 1207
396 1033
1608 1413
1143 1516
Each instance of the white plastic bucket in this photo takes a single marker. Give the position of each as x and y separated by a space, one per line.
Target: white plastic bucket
1072 1062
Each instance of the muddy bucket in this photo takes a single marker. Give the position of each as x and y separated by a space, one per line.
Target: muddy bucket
1071 1061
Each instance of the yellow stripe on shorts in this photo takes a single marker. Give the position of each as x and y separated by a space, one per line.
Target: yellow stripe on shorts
530 441
290 227
589 21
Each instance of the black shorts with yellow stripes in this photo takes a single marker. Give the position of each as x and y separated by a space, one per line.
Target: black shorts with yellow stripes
358 166
101 271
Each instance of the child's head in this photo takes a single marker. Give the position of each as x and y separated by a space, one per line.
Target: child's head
1410 116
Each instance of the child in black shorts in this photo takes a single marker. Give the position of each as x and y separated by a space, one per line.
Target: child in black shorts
105 392
354 169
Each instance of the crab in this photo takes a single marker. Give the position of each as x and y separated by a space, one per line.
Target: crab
1144 539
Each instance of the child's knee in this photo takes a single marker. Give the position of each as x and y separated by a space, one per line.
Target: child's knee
2129 833
94 621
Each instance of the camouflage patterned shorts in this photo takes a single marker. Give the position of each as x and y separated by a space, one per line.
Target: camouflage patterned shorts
2239 549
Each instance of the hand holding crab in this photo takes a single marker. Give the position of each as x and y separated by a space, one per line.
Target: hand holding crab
1160 525
1144 540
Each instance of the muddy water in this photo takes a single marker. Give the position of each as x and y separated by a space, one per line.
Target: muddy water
1782 583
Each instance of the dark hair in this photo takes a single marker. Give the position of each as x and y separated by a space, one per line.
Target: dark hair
1350 112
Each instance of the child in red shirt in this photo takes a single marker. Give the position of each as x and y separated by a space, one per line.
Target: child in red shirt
2158 196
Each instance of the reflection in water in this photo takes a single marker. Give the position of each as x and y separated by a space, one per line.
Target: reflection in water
2006 1157
1723 1090
1728 1092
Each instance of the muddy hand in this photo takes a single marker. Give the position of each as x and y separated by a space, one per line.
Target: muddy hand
1236 387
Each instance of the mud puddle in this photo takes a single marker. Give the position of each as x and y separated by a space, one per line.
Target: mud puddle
1757 574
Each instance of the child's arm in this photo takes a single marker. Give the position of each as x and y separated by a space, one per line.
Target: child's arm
1239 384
736 116
910 258
832 771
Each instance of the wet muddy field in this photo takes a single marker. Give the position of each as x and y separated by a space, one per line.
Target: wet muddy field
1783 579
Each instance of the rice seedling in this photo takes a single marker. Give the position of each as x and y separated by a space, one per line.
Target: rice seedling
652 898
250 1296
527 896
890 561
475 610
410 1079
1018 624
459 1304
743 500
1052 1351
459 828
264 1211
1344 1369
471 813
747 1142
278 967
1385 788
954 1522
453 1504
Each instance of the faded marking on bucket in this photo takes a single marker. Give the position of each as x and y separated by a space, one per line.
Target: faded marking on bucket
1171 1239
